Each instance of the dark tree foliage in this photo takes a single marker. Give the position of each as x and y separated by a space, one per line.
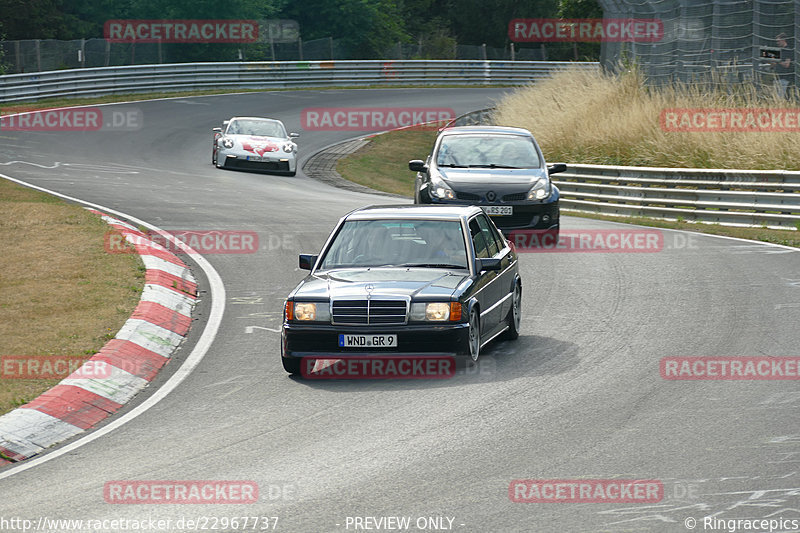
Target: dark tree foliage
366 28
582 9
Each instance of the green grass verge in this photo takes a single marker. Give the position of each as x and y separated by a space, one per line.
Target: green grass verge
61 293
383 165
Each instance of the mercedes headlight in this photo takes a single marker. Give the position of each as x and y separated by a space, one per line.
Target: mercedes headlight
436 311
540 190
308 311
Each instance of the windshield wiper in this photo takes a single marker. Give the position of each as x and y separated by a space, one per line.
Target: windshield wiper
491 166
432 265
453 165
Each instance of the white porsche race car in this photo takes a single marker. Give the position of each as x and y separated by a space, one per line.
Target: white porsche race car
255 143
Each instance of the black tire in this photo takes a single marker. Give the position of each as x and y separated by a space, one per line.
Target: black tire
514 314
213 157
474 337
291 364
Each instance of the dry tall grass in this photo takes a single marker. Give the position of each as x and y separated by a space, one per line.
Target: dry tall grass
589 117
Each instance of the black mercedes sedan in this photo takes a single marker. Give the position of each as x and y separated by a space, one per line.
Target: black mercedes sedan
404 280
501 169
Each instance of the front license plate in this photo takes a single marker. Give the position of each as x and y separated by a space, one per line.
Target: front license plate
254 158
367 341
498 210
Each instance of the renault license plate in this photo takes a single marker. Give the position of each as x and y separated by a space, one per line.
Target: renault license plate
498 210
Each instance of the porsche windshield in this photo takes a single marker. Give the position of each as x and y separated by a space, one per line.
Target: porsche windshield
487 151
411 243
260 128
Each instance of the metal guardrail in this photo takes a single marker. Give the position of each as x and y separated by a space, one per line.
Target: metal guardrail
272 75
731 197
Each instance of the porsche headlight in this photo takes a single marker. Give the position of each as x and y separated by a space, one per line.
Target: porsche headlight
439 189
289 147
227 143
540 190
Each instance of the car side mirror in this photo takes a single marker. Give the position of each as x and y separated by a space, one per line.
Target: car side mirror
294 135
218 130
489 263
555 168
307 261
417 165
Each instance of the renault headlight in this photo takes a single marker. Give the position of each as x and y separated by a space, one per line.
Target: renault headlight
540 190
439 189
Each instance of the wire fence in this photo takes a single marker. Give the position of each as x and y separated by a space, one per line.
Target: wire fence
735 41
37 55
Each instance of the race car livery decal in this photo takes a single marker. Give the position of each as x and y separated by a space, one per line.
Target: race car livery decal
259 147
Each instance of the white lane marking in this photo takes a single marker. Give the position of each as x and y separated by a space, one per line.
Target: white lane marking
787 306
77 166
56 165
194 358
249 329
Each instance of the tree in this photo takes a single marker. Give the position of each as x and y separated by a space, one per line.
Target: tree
582 9
367 28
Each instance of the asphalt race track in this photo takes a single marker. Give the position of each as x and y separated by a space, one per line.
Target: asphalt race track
579 395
